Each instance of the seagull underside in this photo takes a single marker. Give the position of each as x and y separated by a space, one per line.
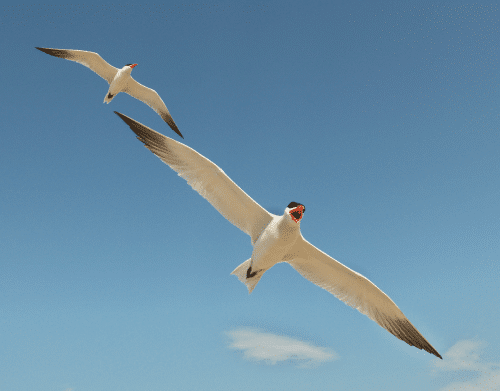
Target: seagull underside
280 241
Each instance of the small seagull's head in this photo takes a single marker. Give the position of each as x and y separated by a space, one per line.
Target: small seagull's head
296 211
131 66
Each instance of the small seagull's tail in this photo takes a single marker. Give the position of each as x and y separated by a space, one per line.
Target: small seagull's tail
108 98
241 273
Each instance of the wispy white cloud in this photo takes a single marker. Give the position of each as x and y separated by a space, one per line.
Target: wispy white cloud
271 348
465 361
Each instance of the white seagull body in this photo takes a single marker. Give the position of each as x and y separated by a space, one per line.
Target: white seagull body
277 238
119 80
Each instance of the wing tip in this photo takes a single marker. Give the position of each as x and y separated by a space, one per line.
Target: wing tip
174 128
133 124
433 351
123 117
62 53
148 136
169 120
406 332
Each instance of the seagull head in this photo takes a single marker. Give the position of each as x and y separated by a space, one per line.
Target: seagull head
296 211
131 66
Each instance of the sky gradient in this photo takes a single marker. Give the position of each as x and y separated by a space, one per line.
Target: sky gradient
380 117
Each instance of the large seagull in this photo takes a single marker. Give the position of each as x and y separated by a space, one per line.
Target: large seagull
277 238
119 80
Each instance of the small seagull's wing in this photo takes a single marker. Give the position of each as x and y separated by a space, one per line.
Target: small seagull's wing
356 291
89 59
206 178
152 99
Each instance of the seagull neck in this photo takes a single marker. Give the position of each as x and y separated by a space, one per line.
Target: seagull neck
286 224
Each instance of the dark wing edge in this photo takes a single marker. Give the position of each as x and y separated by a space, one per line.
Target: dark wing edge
170 121
236 208
91 60
341 281
153 100
62 53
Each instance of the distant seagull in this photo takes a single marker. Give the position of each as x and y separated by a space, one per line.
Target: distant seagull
119 80
277 238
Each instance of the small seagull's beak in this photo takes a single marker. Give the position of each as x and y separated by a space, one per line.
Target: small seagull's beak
133 65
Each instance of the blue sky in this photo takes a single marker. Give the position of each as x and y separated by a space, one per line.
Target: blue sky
381 117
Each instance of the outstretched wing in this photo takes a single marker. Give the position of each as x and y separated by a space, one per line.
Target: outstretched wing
89 59
152 99
206 178
356 291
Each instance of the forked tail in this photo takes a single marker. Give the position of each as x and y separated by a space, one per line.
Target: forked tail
108 98
248 277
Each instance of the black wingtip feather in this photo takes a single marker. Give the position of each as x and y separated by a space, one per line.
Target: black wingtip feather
409 334
140 130
171 123
176 130
45 50
55 52
123 117
130 122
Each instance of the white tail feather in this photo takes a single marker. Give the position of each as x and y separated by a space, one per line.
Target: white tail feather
241 273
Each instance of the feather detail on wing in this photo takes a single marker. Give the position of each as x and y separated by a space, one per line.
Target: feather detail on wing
206 178
90 59
356 291
152 99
